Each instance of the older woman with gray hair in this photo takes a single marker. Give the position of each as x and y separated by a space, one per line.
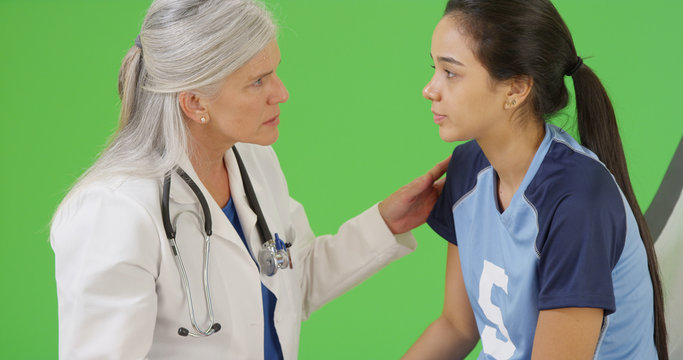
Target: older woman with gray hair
188 202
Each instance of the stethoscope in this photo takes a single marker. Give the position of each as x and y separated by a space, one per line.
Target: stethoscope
274 253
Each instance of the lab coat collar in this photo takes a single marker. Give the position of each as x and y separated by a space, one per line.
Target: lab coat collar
183 195
239 198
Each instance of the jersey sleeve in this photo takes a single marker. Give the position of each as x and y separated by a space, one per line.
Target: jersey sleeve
441 217
581 245
461 177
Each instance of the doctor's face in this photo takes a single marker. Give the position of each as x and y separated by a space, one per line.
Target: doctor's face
247 108
466 101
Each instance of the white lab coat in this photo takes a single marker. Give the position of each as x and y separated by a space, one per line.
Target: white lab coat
119 292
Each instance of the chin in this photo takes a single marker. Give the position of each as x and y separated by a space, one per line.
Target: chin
450 135
268 139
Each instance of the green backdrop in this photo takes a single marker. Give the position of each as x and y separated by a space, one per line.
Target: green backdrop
355 129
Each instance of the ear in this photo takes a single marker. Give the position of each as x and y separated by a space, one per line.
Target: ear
193 107
519 89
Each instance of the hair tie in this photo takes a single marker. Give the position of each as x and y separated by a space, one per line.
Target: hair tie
138 43
576 67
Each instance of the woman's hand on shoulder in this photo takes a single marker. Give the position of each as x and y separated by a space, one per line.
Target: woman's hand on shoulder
410 205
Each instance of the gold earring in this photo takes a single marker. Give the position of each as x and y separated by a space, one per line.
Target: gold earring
514 102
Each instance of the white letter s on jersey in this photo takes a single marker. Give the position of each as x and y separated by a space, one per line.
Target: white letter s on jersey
499 349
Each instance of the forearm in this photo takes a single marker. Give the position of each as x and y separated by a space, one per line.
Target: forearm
567 333
454 333
332 264
442 340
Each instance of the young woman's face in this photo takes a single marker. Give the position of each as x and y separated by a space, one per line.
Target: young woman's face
247 108
466 102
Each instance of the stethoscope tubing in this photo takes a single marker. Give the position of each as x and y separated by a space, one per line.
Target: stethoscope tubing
207 289
278 252
171 234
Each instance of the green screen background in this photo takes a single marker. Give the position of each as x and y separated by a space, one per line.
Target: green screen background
355 129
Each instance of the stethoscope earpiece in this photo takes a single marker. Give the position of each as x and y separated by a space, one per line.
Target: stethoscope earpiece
216 327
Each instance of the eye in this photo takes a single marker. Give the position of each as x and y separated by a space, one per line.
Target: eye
258 82
448 73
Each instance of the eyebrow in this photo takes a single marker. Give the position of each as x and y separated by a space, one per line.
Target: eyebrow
260 75
264 74
447 59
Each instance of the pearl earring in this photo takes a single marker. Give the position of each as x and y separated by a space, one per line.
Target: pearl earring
203 120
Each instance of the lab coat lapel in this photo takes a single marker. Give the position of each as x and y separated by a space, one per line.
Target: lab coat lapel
248 217
280 283
239 198
183 195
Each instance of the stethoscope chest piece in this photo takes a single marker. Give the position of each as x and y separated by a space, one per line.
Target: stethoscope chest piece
274 255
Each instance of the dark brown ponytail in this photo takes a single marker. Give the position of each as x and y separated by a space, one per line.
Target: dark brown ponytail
599 132
529 37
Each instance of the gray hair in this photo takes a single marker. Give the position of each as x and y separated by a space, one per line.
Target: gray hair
185 45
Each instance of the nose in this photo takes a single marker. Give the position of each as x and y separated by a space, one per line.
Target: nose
430 93
281 94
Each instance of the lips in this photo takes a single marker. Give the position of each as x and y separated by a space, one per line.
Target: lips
438 118
273 121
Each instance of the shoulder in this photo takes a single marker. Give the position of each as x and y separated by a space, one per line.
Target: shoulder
109 202
467 162
134 191
573 174
107 222
461 177
577 201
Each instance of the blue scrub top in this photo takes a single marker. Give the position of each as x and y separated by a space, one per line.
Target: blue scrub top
271 345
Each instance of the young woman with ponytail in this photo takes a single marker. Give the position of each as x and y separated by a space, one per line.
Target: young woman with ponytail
549 254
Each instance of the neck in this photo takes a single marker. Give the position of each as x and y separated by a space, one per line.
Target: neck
206 157
510 150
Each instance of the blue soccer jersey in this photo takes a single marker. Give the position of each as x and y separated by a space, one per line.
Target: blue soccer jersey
567 239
